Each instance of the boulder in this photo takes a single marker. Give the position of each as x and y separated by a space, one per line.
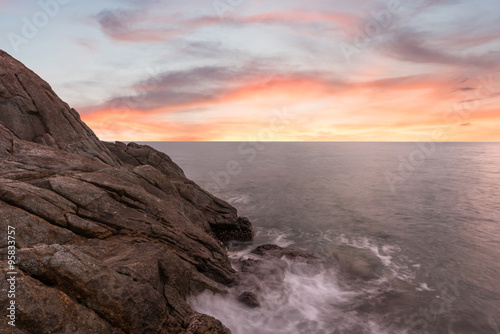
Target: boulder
249 299
358 263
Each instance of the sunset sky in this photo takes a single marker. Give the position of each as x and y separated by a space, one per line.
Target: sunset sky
295 70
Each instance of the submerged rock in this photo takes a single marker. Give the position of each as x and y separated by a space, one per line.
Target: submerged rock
111 238
358 263
249 299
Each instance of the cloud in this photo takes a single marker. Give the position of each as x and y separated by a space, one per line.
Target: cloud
199 88
295 18
183 88
433 3
202 92
206 49
218 85
132 26
86 43
226 103
472 38
417 47
142 26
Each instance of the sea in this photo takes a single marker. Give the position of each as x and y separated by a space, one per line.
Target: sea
424 218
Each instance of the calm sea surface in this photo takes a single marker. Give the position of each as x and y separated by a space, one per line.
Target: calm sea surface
430 213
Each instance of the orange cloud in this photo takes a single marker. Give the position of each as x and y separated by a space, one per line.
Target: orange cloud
393 109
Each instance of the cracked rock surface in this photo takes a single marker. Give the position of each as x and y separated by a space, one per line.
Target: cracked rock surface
111 238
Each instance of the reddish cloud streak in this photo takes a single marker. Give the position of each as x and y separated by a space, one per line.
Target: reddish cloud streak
417 104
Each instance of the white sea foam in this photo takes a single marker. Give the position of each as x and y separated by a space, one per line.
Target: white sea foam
309 302
424 287
273 236
310 299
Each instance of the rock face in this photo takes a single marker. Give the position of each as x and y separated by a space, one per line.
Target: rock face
33 112
110 238
219 215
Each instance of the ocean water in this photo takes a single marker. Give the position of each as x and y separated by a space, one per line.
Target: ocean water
424 217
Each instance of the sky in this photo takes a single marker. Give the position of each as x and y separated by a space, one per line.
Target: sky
244 70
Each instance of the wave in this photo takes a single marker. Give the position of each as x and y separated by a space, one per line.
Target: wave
305 296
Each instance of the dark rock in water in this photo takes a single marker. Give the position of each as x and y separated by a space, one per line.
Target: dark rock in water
268 270
358 263
278 252
111 238
249 299
272 265
248 264
204 324
242 231
265 274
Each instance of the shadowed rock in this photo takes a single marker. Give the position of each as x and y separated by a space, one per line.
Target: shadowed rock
158 169
249 299
276 251
111 238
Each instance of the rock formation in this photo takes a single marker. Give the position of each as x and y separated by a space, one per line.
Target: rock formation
110 238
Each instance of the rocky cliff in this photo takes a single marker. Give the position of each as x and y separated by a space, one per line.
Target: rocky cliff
110 238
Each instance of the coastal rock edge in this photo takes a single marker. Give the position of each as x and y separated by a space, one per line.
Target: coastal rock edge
110 238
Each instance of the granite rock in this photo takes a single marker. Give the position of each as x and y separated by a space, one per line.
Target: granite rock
110 238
